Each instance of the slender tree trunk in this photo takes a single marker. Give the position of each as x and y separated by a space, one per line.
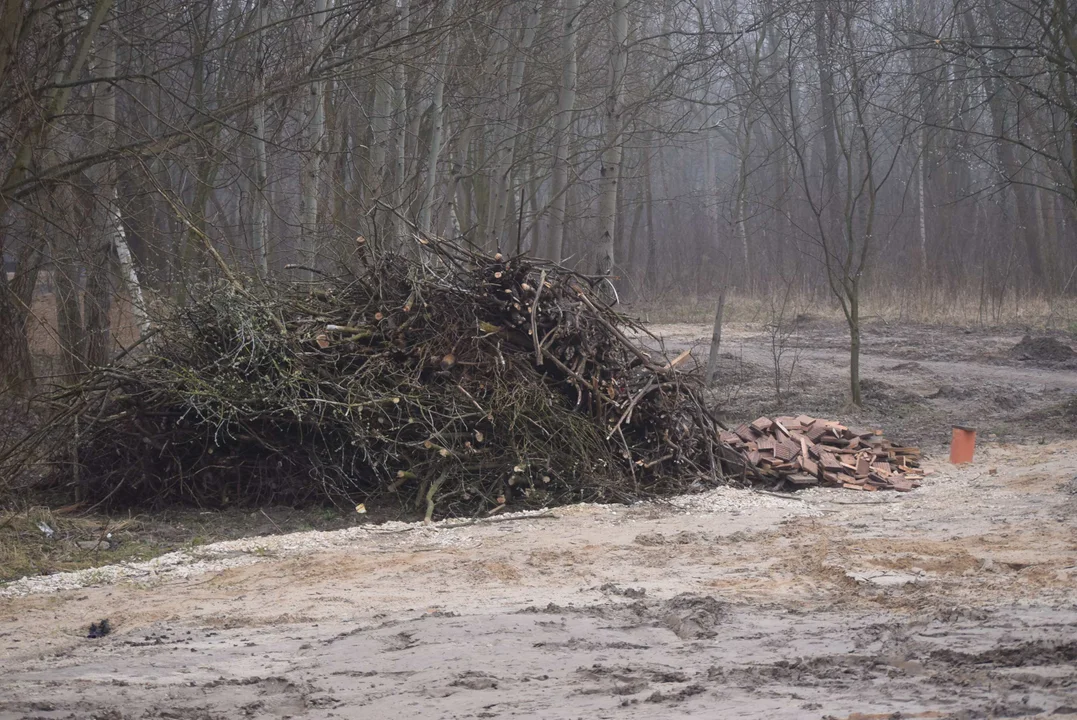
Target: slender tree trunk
460 212
1010 166
437 121
854 344
110 239
716 342
310 179
379 147
566 105
921 205
116 236
16 369
400 134
503 188
16 366
614 141
259 201
11 17
650 275
128 273
829 116
65 280
740 203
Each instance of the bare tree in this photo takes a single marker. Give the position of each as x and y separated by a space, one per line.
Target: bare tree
611 156
566 105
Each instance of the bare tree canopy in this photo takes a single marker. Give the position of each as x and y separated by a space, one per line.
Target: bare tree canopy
691 146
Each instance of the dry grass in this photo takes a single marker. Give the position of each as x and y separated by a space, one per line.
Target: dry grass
39 540
897 306
81 540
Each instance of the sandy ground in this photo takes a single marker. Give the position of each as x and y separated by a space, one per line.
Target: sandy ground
958 600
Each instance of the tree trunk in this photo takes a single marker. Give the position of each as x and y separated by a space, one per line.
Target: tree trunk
379 146
11 17
716 342
437 120
853 319
460 211
97 309
315 143
502 186
566 105
650 273
1009 165
118 241
614 141
37 134
115 237
740 206
829 116
260 203
16 367
400 134
61 247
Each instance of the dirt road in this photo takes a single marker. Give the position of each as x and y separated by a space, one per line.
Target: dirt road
823 351
958 600
917 381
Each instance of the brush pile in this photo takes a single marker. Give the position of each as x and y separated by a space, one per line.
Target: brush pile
450 382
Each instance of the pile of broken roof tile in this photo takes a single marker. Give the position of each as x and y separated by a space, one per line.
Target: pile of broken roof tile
803 451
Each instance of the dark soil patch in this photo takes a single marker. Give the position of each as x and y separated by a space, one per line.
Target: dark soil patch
882 396
692 616
1031 653
1042 350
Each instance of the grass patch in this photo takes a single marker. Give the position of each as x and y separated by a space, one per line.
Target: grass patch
38 540
904 305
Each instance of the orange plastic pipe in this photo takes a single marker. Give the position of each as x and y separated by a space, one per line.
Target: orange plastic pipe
962 445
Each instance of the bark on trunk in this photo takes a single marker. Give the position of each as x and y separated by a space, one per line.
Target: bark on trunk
16 368
829 119
380 140
566 105
853 320
716 342
312 159
437 121
260 209
611 157
502 186
400 134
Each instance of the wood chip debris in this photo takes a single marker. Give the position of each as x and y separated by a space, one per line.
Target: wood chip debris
802 451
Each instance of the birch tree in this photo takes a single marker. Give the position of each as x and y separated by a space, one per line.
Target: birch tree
566 106
611 156
315 144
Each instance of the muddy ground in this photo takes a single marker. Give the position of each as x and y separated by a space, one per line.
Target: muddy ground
958 600
917 381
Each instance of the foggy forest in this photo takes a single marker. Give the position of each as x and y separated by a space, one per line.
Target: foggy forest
542 359
921 150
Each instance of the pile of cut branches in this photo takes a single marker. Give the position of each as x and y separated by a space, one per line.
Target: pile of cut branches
451 382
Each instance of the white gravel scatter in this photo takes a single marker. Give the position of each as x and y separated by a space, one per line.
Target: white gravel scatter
728 499
177 565
386 537
182 564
